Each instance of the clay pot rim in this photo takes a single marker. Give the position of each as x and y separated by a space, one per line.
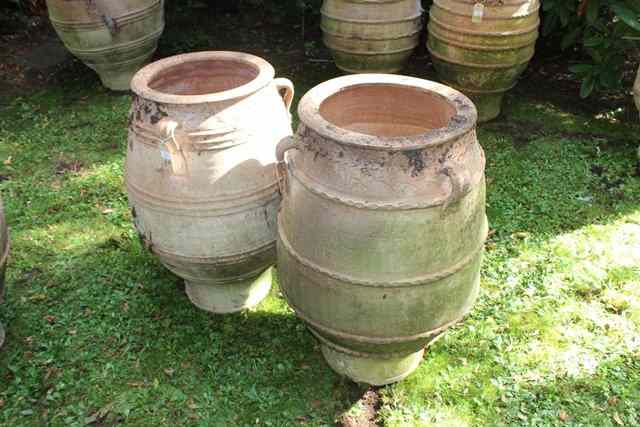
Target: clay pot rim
141 80
462 122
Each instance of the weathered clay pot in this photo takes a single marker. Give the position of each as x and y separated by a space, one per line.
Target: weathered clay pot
200 171
636 90
4 254
483 56
382 222
115 38
371 36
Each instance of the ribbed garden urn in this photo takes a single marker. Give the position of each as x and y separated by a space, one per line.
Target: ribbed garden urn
382 223
481 47
115 38
200 171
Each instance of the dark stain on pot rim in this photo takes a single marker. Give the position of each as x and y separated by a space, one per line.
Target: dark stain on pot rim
416 161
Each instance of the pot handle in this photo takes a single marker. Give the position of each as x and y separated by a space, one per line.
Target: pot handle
109 21
457 186
285 144
172 146
286 86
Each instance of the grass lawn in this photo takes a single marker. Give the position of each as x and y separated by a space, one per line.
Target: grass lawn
99 333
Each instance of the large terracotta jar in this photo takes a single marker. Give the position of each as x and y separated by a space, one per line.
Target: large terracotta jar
115 38
200 171
4 255
371 36
382 222
481 47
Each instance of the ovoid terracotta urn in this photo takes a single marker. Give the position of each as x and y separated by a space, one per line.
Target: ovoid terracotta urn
115 38
382 223
200 171
481 47
371 36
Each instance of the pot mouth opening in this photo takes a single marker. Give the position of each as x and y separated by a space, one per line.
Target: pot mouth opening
387 112
202 77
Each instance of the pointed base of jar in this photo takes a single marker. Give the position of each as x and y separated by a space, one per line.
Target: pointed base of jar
119 80
390 70
117 77
371 64
2 335
231 297
376 371
489 105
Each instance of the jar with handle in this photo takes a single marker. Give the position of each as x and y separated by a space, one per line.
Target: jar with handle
200 171
382 223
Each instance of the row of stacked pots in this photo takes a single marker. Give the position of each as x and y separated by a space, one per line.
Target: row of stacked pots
478 46
374 209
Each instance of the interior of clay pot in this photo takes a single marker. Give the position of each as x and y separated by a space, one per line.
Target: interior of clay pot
203 77
387 110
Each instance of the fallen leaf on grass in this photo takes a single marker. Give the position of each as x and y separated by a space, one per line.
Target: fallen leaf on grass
7 162
564 416
137 384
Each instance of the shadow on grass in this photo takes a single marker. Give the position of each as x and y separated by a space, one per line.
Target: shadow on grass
108 333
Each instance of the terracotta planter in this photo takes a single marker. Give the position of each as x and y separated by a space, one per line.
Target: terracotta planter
382 223
483 53
4 255
200 171
115 38
371 36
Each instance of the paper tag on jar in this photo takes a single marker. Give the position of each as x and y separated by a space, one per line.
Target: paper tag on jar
478 13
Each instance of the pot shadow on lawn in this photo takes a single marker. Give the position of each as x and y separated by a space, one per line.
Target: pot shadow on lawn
117 328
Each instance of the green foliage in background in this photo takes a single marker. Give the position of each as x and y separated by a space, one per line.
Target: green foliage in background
603 32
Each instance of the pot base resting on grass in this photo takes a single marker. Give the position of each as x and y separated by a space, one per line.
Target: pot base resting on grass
373 36
482 47
200 171
4 255
382 223
229 297
113 38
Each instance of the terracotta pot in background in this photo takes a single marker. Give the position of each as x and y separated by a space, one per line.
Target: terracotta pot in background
200 171
115 38
482 46
382 223
371 36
